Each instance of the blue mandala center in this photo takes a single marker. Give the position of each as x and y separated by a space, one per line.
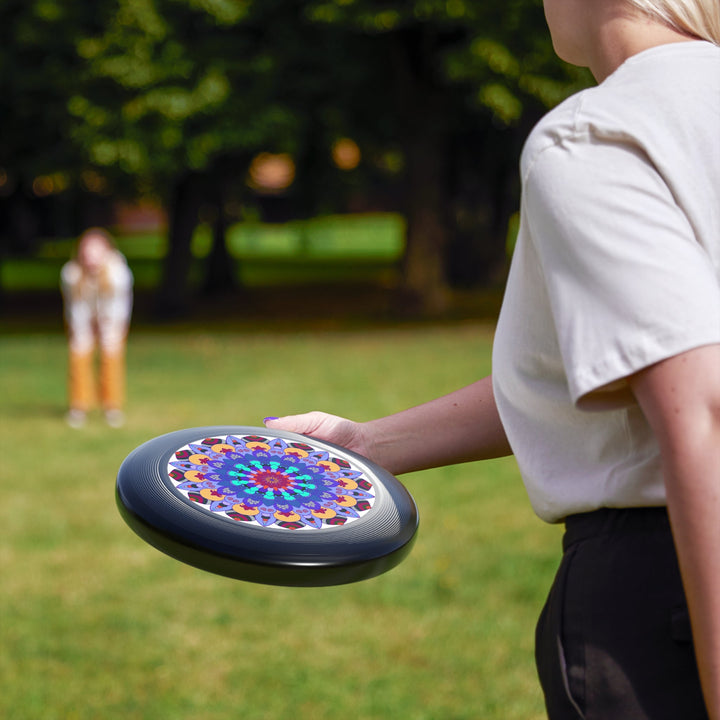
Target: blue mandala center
278 482
271 482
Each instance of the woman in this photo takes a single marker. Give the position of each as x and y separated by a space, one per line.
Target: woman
97 293
606 365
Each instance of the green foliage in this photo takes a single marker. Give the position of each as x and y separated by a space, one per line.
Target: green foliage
96 624
185 81
153 87
38 69
499 53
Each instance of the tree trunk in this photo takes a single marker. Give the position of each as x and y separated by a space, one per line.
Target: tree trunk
175 294
485 194
424 274
424 144
220 267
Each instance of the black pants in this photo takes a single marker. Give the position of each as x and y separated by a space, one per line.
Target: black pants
613 641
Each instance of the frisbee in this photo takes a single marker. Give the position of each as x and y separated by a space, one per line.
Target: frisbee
266 506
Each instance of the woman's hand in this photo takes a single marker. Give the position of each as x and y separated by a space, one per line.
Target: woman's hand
323 426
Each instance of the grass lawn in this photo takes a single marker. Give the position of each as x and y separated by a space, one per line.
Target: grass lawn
94 624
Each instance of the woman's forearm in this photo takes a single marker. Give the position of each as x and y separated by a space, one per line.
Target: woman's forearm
460 427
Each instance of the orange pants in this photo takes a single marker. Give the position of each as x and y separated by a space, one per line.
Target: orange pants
84 393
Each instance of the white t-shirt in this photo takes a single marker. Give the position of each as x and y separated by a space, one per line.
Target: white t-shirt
617 266
97 308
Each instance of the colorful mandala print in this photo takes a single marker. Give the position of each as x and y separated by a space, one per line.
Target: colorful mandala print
270 482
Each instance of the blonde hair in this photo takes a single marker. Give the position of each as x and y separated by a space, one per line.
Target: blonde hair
699 18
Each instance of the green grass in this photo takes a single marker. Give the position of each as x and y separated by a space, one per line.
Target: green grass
377 235
33 274
96 624
342 248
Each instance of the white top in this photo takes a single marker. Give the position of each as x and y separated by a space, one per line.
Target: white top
617 266
97 308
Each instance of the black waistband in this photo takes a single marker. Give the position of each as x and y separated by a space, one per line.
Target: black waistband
612 521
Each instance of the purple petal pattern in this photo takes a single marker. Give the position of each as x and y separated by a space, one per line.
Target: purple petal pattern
271 482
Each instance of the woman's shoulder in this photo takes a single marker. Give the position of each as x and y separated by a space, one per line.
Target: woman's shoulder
554 128
604 112
655 97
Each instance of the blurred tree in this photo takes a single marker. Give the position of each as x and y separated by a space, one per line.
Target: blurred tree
176 97
182 94
456 84
186 91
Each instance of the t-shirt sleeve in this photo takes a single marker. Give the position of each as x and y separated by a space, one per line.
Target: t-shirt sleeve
629 282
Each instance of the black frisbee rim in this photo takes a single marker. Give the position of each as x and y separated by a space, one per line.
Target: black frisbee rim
370 546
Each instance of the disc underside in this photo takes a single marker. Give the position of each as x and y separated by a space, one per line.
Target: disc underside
266 506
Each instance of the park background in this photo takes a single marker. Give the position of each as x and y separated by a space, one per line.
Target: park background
318 200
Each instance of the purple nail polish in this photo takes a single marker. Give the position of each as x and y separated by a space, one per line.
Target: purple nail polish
269 418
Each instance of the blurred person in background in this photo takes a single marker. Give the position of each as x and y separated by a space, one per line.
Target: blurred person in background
97 295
